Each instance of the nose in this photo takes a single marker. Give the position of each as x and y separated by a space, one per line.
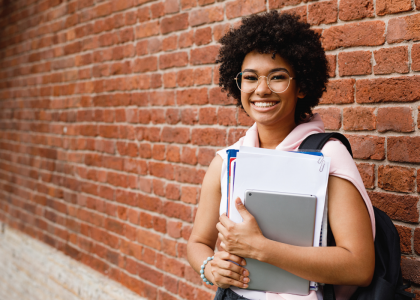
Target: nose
262 88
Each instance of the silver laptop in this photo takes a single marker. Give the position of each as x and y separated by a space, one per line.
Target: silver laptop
286 218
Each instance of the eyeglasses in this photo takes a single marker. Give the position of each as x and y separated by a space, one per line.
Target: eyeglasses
277 81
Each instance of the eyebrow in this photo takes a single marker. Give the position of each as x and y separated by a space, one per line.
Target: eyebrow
272 70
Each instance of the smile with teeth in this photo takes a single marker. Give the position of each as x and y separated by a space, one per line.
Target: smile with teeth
264 104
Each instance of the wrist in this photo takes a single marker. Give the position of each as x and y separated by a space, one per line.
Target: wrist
260 253
208 273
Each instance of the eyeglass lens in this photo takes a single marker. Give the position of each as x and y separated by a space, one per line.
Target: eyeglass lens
277 81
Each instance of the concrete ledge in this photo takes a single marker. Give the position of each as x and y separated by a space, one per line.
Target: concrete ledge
32 270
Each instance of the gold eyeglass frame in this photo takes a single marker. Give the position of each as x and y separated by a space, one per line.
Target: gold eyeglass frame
258 83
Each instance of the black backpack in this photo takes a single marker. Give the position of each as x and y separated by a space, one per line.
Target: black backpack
387 282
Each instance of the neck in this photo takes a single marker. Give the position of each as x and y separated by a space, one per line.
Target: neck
271 136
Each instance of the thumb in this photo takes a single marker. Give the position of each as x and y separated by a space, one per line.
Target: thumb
242 209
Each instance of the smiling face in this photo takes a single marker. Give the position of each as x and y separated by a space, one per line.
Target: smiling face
264 106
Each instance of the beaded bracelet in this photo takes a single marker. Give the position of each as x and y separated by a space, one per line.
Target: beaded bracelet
202 270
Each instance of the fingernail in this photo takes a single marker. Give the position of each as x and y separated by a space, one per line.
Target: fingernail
244 272
246 279
245 285
243 262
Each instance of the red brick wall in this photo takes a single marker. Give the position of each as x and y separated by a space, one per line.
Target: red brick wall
110 113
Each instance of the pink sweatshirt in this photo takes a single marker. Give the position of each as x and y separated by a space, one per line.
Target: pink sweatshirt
342 165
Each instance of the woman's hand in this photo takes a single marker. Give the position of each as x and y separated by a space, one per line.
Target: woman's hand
225 273
241 239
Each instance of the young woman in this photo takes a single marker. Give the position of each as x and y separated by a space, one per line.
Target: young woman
274 65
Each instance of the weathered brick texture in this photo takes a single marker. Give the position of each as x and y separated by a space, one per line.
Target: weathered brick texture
110 114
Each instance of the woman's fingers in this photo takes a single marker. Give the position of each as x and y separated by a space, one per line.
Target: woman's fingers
226 271
223 255
224 280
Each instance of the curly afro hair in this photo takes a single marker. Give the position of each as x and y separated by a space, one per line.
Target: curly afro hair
281 34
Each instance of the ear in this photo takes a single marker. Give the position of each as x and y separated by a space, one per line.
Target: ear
301 95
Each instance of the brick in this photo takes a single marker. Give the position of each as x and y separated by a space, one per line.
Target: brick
220 30
235 134
226 116
162 98
170 43
170 60
403 149
339 92
202 75
367 172
397 89
355 9
146 64
158 152
189 194
398 119
359 118
332 62
354 63
174 23
171 6
154 45
322 12
189 155
405 239
147 29
416 240
173 191
391 60
275 4
415 57
186 39
175 135
169 247
202 36
171 284
185 77
403 29
206 15
385 7
396 179
189 116
207 116
177 210
240 8
397 207
367 146
187 4
330 116
204 55
161 170
217 97
169 80
157 10
173 154
410 270
174 229
355 34
208 137
189 175
143 14
172 116
192 96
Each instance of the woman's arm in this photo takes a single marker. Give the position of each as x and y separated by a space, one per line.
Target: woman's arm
350 262
203 238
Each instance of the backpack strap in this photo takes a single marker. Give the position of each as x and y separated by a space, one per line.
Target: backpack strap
318 140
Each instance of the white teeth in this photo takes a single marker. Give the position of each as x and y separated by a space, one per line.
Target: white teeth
264 104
